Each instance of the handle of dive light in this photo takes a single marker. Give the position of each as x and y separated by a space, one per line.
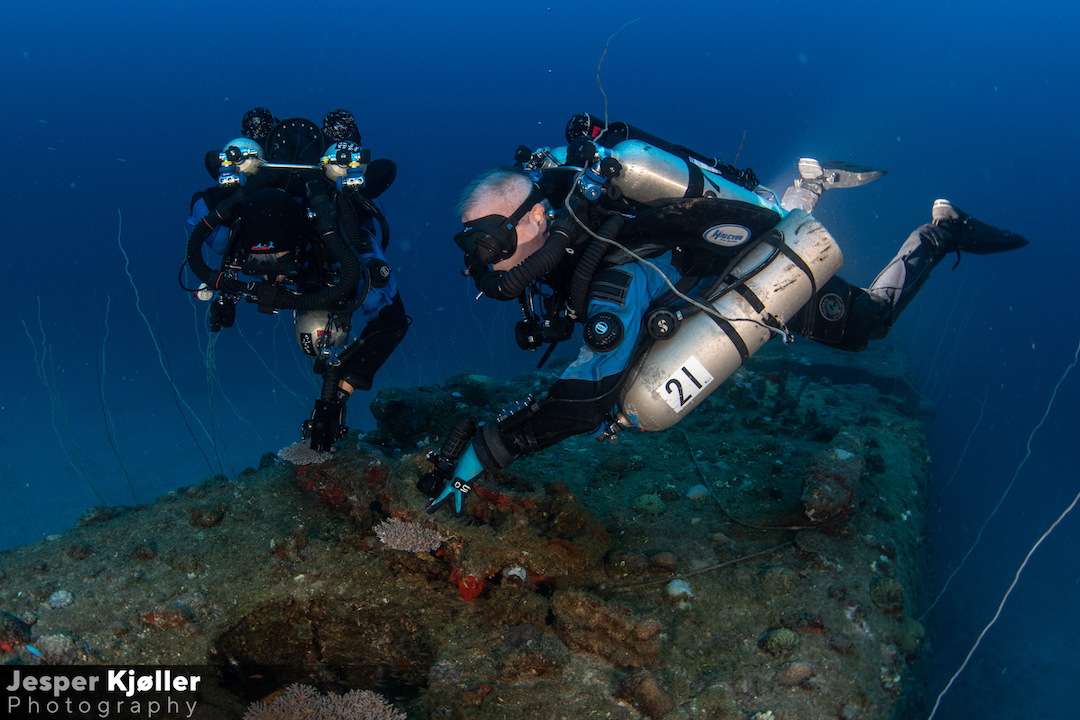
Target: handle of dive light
458 440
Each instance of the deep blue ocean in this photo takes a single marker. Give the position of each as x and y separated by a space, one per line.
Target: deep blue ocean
108 109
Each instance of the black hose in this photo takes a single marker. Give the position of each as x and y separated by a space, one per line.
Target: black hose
540 263
337 249
507 286
586 267
223 212
327 298
350 221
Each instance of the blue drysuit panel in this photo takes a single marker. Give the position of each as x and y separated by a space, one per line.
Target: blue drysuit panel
645 285
377 298
219 238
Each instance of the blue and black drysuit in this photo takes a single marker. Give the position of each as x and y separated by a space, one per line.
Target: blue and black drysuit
839 315
385 321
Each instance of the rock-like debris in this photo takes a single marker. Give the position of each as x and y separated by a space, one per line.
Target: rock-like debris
556 592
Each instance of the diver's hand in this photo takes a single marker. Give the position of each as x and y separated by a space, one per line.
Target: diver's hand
326 425
456 488
460 484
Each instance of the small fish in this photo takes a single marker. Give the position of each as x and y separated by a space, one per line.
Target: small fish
33 650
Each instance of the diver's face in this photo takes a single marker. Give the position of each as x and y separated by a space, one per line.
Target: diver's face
532 230
532 233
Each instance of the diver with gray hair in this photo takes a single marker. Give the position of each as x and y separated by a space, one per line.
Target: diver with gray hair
677 266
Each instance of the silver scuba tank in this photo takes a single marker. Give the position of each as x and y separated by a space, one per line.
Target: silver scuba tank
649 174
316 331
781 274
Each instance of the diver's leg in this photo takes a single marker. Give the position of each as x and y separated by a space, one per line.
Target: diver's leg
952 230
843 316
847 317
380 338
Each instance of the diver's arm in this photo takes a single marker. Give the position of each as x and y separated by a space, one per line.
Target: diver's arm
581 399
219 238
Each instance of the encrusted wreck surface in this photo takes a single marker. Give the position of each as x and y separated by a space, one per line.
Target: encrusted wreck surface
762 560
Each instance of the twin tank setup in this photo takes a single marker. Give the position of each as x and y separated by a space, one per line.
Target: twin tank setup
771 282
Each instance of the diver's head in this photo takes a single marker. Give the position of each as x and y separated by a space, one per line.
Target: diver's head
257 124
270 232
296 141
506 219
340 125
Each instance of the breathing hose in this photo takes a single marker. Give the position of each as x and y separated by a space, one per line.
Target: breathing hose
590 260
327 298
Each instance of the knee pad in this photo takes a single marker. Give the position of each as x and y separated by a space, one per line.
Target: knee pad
843 316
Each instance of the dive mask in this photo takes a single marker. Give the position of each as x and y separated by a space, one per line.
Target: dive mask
493 238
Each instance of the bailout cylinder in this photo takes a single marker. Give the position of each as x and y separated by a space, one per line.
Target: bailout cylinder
771 284
649 174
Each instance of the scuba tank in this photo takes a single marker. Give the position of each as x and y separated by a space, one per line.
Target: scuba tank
649 174
769 286
779 261
584 126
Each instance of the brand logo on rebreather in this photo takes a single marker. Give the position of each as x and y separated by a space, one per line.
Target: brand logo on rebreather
727 235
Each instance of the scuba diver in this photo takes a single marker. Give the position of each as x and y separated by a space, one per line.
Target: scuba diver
292 217
678 266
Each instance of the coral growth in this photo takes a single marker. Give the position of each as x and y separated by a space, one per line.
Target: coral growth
779 641
549 596
888 594
302 454
832 478
408 536
646 694
303 701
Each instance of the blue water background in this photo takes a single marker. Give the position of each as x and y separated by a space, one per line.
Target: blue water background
108 109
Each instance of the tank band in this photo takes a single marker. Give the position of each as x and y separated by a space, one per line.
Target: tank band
751 297
733 336
696 186
794 257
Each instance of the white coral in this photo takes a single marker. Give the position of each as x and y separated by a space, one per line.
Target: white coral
409 536
301 454
303 701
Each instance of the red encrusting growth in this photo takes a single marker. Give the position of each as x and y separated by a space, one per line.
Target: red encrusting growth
469 586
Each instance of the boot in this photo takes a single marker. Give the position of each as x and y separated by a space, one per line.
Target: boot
971 235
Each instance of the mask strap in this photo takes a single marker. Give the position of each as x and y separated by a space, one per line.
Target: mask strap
535 196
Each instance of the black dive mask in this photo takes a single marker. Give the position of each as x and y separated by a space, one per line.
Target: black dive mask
493 238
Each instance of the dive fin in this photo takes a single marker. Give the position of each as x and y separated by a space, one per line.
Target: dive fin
837 174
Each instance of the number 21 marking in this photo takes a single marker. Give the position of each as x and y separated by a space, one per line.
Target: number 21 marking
683 386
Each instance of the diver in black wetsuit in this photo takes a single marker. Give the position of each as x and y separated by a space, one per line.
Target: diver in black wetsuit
292 209
690 234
